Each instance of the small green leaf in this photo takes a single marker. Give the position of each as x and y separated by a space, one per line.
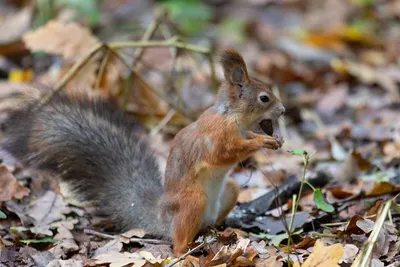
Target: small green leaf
321 202
43 240
298 152
3 215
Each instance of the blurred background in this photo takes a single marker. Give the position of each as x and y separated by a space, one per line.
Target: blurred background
335 63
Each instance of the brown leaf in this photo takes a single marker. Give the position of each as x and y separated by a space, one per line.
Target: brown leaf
322 256
125 237
10 188
307 242
340 193
374 210
352 228
71 40
191 261
383 188
240 249
242 261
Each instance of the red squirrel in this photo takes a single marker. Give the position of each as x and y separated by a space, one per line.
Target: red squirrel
98 152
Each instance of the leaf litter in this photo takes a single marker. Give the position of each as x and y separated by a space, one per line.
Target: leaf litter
338 79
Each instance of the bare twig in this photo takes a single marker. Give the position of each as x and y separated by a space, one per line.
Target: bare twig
159 93
162 123
181 258
150 241
172 42
70 74
102 68
148 34
132 239
98 234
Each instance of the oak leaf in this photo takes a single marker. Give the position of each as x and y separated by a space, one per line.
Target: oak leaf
71 41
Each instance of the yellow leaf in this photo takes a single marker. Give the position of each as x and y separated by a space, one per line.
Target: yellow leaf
323 256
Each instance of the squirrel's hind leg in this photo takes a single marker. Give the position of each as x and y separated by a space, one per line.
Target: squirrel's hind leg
188 219
228 200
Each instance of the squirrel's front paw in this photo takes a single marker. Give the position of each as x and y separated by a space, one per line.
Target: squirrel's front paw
270 142
279 139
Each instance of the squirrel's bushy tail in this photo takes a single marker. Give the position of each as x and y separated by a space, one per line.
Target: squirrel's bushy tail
97 151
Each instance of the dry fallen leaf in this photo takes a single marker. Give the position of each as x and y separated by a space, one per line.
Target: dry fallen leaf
322 256
382 188
350 252
112 246
10 188
71 41
48 208
116 259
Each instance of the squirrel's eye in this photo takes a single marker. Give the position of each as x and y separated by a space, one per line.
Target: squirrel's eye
264 98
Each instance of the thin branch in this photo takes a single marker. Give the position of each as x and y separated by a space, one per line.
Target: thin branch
172 42
102 68
162 123
181 258
150 241
98 234
69 75
132 239
158 93
148 34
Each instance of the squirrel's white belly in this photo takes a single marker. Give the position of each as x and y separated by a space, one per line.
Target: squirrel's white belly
215 189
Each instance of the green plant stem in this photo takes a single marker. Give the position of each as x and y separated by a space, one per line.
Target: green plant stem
310 185
303 181
296 200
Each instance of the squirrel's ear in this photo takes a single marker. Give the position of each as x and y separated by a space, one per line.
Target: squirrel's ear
235 70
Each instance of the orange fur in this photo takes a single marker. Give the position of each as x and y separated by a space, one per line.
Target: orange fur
197 193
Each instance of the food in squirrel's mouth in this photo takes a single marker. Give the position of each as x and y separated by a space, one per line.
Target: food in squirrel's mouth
266 126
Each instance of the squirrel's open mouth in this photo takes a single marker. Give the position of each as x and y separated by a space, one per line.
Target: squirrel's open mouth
267 126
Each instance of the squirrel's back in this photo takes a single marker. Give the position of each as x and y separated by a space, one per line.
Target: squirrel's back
97 151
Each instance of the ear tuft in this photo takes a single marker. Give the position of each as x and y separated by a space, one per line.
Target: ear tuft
235 70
